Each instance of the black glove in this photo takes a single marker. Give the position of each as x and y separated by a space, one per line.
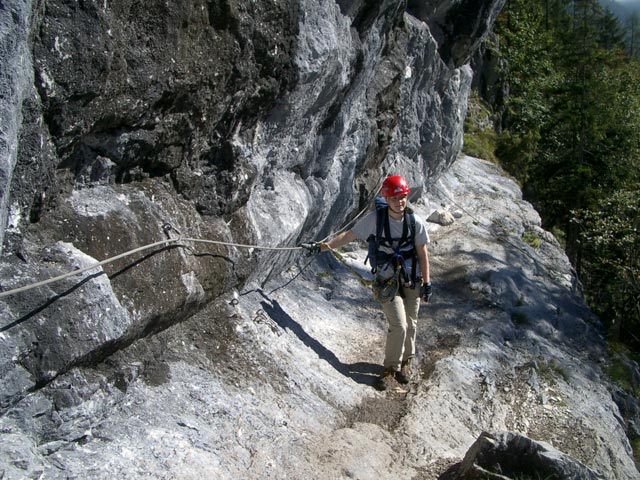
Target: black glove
312 247
425 292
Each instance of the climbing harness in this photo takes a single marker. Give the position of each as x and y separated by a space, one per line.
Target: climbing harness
396 251
176 241
385 290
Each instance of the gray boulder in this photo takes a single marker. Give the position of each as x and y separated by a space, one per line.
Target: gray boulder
441 217
510 455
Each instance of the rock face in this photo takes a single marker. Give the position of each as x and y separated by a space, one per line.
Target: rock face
264 123
274 381
268 123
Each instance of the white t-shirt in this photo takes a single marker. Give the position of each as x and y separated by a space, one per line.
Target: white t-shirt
366 226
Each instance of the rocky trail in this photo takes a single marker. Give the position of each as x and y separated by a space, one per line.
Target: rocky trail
275 382
270 124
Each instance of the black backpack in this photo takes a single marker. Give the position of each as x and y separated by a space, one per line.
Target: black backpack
377 257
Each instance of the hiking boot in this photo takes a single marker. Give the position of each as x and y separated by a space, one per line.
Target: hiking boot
383 382
402 376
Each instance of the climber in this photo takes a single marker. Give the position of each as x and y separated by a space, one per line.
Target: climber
401 266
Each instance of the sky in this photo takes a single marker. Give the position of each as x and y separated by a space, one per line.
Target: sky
622 8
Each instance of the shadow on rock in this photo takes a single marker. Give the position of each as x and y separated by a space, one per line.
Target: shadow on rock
361 372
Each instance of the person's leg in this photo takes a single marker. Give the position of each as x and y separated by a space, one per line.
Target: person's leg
411 309
395 313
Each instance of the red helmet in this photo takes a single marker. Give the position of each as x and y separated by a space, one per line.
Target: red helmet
395 185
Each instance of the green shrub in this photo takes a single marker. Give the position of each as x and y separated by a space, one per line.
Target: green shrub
531 238
480 144
516 152
479 135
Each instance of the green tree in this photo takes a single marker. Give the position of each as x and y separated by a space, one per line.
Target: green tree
527 70
585 145
572 137
611 239
633 35
611 32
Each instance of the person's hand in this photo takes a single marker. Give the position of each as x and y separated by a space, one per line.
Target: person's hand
312 247
425 292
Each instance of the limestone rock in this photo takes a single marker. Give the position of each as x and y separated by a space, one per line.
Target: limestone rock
442 217
511 456
263 124
275 380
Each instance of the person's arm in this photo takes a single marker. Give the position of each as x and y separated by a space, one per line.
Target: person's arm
339 240
423 260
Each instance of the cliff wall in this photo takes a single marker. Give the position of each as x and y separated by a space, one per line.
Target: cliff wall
268 123
262 123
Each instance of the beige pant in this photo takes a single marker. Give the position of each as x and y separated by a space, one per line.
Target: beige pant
402 316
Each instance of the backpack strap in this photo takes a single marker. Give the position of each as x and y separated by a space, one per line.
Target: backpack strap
375 240
383 234
383 230
412 222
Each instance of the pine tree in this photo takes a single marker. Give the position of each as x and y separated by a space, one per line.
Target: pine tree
611 31
633 35
527 70
611 238
572 137
583 145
